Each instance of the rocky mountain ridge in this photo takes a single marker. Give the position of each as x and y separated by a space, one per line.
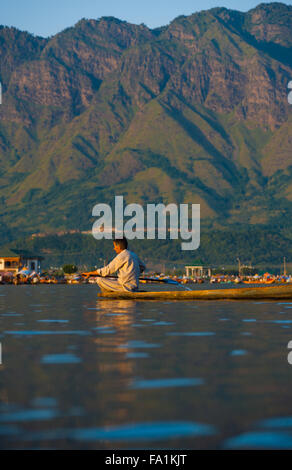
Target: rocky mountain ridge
194 112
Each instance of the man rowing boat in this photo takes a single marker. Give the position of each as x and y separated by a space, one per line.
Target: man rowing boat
128 265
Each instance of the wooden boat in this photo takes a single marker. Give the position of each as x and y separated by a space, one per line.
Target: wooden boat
249 293
269 281
252 282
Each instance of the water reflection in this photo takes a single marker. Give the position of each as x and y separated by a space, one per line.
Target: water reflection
136 355
156 431
28 415
82 372
60 359
238 352
261 440
162 383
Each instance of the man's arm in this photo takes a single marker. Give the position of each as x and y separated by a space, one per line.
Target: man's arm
112 267
141 266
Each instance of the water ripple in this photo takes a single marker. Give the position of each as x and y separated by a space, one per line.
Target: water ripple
60 359
44 332
53 321
258 439
11 314
283 422
9 430
165 383
279 321
192 333
28 415
44 401
238 352
129 432
139 344
136 355
104 330
145 431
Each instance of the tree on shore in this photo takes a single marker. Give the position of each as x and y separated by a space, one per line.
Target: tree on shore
70 268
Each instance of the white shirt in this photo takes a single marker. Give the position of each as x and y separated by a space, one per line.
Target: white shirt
129 267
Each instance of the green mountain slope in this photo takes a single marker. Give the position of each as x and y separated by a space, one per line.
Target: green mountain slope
194 112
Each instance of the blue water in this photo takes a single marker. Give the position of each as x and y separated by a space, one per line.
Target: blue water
79 372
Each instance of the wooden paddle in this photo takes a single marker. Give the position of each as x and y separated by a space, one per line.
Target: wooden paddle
165 281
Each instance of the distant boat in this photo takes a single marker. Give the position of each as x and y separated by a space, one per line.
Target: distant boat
260 281
253 282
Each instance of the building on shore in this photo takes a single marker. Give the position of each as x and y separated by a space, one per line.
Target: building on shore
13 260
198 271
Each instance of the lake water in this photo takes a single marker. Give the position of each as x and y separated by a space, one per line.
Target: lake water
79 372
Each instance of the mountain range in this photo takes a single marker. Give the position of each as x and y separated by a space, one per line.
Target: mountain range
194 112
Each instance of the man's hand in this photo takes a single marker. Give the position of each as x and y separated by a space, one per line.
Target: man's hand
90 273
